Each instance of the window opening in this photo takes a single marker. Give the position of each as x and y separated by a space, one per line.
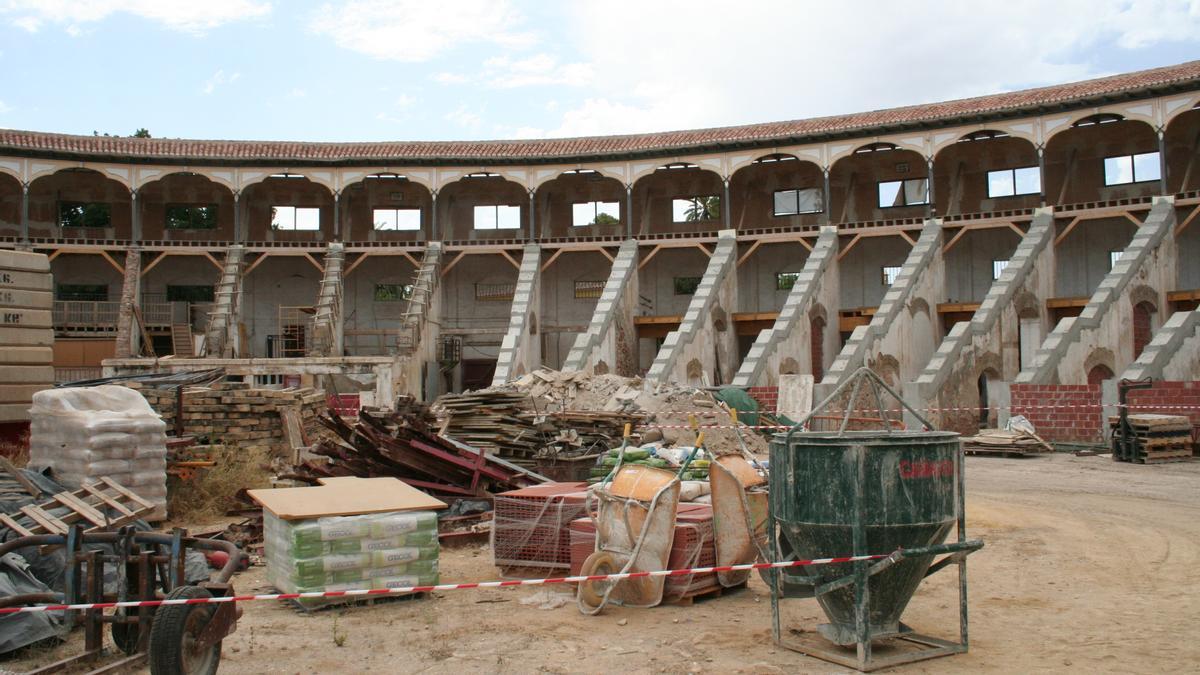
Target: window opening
695 209
84 214
497 217
397 219
797 201
686 285
300 218
908 192
595 213
191 217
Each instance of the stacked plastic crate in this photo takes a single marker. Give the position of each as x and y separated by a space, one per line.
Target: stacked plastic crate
530 533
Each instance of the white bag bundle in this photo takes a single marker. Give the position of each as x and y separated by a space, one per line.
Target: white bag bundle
84 433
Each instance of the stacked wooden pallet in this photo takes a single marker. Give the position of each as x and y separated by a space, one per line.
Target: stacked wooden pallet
1158 438
1004 442
232 413
26 332
495 422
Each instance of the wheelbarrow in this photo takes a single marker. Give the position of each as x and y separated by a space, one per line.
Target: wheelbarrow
635 529
739 502
183 638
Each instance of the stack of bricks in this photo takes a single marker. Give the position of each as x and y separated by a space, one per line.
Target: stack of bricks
234 414
1067 413
767 397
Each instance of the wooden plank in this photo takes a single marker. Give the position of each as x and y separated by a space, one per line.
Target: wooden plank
13 525
48 522
33 490
108 500
126 493
82 508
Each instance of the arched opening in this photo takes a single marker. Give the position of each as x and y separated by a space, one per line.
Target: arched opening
1099 373
1102 157
79 204
679 197
986 171
1143 326
986 377
386 207
1182 141
581 203
777 191
10 205
483 206
880 181
817 347
288 207
186 206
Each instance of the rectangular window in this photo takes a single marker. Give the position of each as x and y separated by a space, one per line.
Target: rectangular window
686 285
795 202
908 192
695 209
889 275
998 268
497 217
191 217
784 281
1024 180
595 213
495 292
393 220
588 289
1113 258
392 292
1127 169
84 292
84 214
298 218
190 293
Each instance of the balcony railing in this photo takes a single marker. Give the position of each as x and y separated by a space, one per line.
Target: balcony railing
102 314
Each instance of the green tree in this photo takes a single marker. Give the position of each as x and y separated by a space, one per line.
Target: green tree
142 133
703 208
605 219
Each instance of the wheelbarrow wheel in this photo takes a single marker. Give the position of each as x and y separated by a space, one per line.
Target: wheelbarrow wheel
591 593
173 636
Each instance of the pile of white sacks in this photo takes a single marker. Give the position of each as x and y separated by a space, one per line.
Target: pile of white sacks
84 433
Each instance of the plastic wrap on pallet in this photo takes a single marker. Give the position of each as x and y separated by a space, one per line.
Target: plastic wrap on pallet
83 433
377 550
530 526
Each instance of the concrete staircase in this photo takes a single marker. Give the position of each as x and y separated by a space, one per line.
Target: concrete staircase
1174 353
221 338
1061 358
702 338
421 301
328 327
770 345
610 336
521 349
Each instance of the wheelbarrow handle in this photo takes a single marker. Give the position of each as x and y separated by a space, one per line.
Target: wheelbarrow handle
691 455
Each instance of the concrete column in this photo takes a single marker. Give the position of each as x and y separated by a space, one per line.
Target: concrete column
337 216
826 202
725 208
929 181
629 210
433 224
135 217
1041 150
237 218
1162 164
25 212
532 217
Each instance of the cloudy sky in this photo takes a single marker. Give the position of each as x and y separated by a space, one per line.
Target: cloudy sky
469 69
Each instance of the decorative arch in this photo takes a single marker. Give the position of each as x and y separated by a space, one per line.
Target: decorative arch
383 190
542 176
754 186
1193 103
555 200
854 178
184 188
1088 119
1100 365
962 168
79 184
654 192
457 201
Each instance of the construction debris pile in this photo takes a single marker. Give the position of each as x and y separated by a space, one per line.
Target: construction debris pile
234 413
404 445
1004 442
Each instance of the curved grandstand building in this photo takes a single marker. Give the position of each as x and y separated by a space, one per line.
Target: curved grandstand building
1026 246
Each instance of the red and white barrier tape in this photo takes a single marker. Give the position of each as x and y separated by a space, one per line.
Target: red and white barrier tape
441 587
722 414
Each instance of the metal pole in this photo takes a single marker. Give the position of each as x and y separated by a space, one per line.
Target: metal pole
532 216
726 211
433 220
929 196
1162 163
825 197
1042 173
337 216
135 217
237 219
629 210
25 212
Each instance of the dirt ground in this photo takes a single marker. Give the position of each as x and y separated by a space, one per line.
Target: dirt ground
1089 565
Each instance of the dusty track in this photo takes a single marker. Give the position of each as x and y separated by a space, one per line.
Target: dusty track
1088 565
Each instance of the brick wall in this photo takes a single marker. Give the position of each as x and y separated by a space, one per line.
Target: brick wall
767 397
1061 412
1163 395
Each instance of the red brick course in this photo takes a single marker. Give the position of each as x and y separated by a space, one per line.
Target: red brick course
1061 412
767 397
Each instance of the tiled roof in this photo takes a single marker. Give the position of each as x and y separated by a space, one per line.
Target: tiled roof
1185 75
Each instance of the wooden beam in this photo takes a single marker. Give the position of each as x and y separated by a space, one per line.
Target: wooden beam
510 258
1187 221
553 257
147 268
1133 219
411 259
805 244
653 252
604 252
56 253
116 266
213 260
704 248
447 268
842 253
256 263
954 240
1017 228
319 266
747 254
906 235
357 261
1070 226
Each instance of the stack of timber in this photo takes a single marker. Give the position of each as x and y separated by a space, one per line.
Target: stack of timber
1004 442
233 413
1157 438
389 444
26 332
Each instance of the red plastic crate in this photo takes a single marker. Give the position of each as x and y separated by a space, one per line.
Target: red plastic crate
529 528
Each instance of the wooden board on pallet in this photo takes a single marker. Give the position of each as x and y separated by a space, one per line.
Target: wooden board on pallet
100 506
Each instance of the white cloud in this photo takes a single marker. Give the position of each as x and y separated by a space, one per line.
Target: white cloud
416 30
218 79
182 15
297 92
465 118
5 108
450 78
504 72
668 65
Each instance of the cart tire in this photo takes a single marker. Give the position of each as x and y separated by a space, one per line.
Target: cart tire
125 636
600 562
173 632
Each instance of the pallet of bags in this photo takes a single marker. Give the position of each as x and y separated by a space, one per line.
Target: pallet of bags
349 534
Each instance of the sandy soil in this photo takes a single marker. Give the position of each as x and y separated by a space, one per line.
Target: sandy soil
1088 565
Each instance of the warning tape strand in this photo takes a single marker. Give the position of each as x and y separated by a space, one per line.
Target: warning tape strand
400 590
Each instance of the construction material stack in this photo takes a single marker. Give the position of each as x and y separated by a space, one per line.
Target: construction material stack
349 534
530 535
85 434
26 332
1153 439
